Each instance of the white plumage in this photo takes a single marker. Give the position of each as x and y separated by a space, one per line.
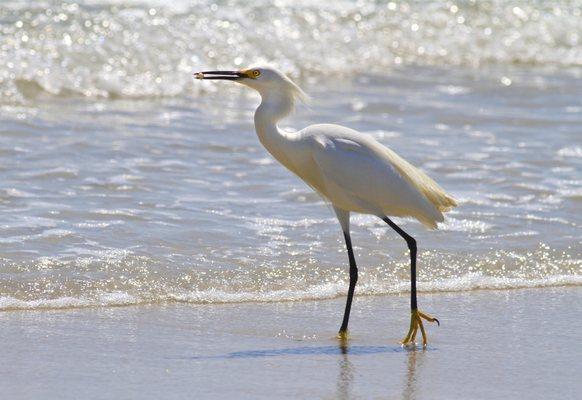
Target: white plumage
356 173
351 170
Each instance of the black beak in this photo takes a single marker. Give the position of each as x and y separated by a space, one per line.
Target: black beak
224 75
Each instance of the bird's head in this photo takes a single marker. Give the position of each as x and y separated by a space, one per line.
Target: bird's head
268 81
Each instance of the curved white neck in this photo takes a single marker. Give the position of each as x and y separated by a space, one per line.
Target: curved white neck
272 109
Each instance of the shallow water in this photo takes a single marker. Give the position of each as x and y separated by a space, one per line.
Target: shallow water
111 197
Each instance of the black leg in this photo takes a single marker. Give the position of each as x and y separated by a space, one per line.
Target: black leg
353 281
416 316
412 247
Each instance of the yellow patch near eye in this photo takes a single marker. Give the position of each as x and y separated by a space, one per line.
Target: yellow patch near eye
251 73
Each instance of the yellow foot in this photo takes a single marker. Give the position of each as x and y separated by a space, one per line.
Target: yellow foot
416 318
343 336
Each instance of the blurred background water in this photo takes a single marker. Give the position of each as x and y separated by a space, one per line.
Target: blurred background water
123 181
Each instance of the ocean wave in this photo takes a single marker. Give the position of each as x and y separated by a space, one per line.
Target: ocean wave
120 279
469 282
113 49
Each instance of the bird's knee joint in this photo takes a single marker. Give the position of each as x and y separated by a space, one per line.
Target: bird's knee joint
411 244
354 277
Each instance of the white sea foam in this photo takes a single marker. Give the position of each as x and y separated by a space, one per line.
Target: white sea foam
116 279
571 151
464 283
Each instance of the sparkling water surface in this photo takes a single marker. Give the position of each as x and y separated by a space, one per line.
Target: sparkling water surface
125 182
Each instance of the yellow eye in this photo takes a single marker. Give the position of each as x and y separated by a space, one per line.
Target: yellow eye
256 73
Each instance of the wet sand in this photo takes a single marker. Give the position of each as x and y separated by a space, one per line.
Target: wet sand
491 344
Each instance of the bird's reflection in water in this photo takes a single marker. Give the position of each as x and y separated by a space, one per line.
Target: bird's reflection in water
414 356
346 372
414 360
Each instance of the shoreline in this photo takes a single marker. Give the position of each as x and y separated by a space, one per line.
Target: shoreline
171 302
491 344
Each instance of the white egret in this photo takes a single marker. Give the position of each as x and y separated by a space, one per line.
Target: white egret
351 170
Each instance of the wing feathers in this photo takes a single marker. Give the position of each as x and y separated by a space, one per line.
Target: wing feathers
360 174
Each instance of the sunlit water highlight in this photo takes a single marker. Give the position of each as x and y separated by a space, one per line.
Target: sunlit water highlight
130 183
130 48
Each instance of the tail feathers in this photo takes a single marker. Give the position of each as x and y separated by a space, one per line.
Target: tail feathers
434 194
429 188
439 200
430 217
